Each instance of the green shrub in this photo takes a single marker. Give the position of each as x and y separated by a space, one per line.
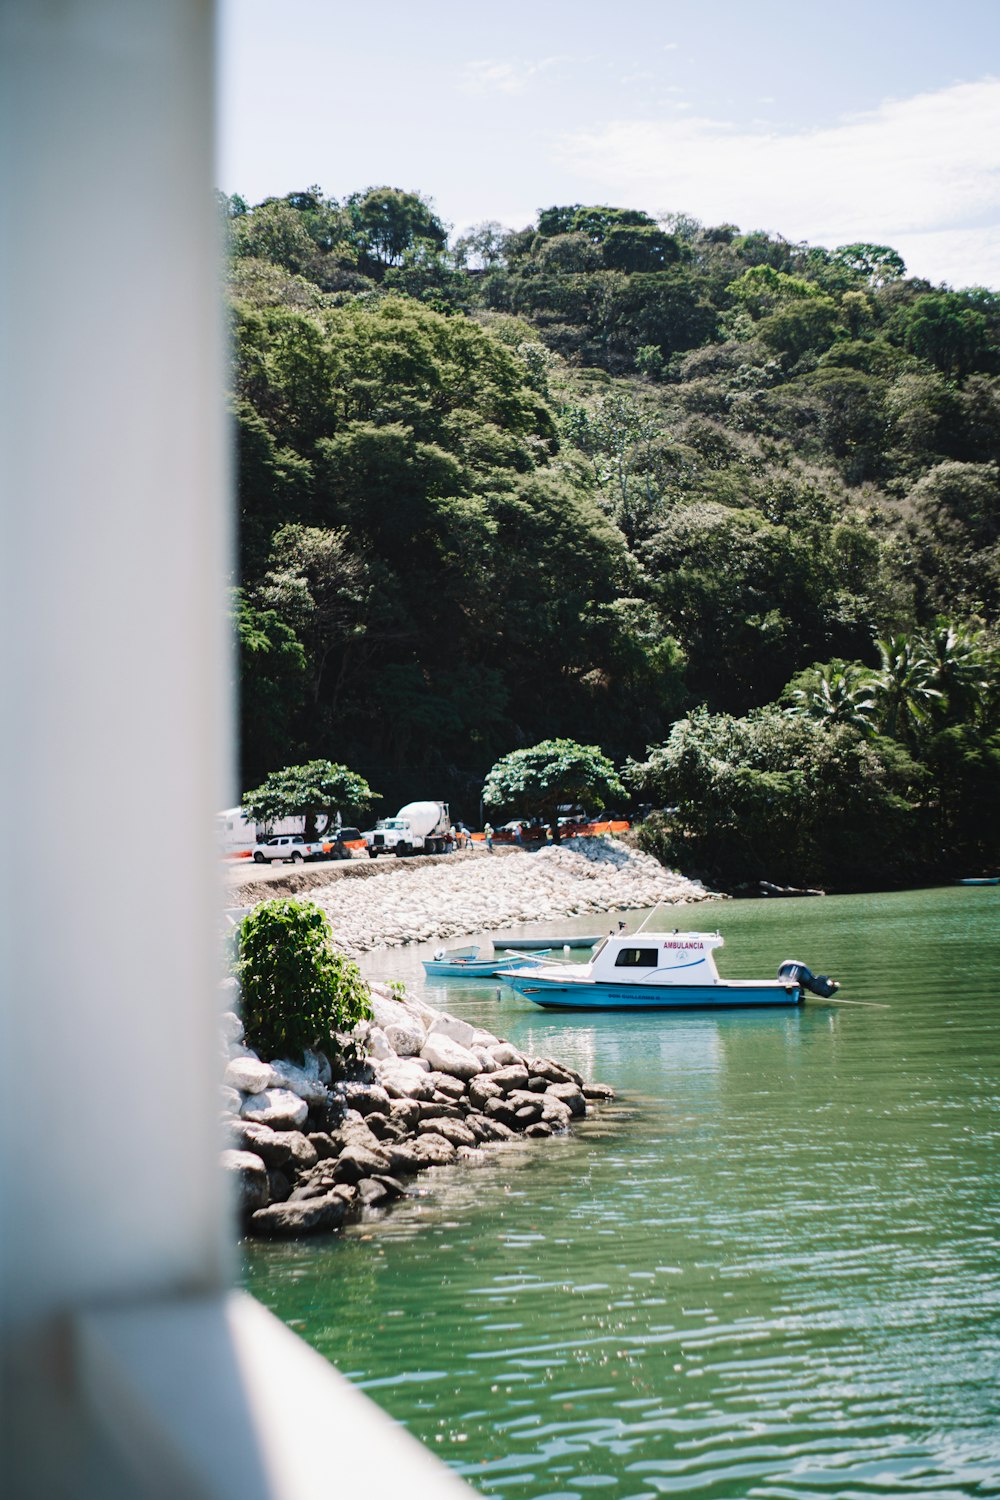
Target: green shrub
296 987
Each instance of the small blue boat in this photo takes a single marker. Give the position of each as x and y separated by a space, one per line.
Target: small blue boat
659 971
466 962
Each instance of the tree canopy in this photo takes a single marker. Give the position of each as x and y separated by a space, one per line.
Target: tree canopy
317 789
583 478
537 781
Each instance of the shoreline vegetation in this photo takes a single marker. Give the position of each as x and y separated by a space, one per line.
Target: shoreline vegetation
312 1146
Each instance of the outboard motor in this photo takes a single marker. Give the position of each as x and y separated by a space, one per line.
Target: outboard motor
818 984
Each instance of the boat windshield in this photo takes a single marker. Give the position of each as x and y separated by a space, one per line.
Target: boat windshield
599 949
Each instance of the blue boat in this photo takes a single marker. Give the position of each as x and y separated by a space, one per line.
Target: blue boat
658 971
466 962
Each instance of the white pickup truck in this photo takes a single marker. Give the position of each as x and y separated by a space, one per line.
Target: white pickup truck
287 846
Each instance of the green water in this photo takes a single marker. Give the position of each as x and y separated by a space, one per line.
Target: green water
769 1269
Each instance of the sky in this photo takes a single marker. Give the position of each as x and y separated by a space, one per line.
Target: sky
828 123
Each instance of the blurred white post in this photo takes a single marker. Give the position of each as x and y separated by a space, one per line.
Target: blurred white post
130 1368
115 688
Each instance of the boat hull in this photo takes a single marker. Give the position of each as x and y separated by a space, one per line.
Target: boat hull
561 994
546 943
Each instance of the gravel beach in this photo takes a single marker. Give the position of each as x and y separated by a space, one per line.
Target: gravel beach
417 900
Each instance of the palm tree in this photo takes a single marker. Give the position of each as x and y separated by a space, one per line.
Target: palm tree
837 692
904 687
959 668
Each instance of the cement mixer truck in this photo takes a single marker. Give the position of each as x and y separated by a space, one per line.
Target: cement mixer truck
418 828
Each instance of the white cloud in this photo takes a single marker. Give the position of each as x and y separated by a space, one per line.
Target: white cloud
499 76
922 174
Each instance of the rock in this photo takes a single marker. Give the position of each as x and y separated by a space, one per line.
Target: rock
406 1112
484 1039
355 1132
545 1067
248 1075
453 1130
433 1150
378 1045
248 1174
405 1041
499 1131
440 1108
302 1154
499 1109
481 1089
480 1127
372 1192
356 1162
279 1187
505 1055
367 1098
404 1161
231 1026
487 1062
537 1085
318 1064
231 1100
570 1095
403 1029
324 1144
301 1081
405 1081
447 1056
538 1129
510 1077
444 1083
601 1093
450 1026
556 1113
393 1188
386 1128
289 1220
279 1108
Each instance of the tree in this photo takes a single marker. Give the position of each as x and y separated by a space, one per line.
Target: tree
904 686
272 665
835 692
296 990
388 222
318 788
875 264
780 797
536 782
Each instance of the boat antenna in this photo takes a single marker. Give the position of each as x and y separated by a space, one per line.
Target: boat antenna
650 914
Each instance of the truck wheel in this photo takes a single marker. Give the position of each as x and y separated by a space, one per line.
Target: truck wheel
296 858
373 854
402 850
258 858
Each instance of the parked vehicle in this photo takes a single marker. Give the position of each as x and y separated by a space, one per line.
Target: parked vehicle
418 828
291 846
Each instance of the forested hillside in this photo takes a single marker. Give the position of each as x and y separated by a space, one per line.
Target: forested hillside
627 481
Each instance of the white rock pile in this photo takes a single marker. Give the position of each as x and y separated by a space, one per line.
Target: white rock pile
490 892
307 1151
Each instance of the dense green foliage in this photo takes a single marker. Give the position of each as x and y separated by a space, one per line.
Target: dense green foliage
576 480
296 989
536 782
316 789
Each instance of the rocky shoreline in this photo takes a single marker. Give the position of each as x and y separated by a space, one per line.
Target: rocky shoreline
456 895
308 1152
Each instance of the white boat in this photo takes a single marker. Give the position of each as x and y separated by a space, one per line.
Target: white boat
658 971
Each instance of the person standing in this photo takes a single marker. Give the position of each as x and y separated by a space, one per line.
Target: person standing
488 835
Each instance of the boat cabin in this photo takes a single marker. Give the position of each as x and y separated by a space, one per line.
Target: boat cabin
655 958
